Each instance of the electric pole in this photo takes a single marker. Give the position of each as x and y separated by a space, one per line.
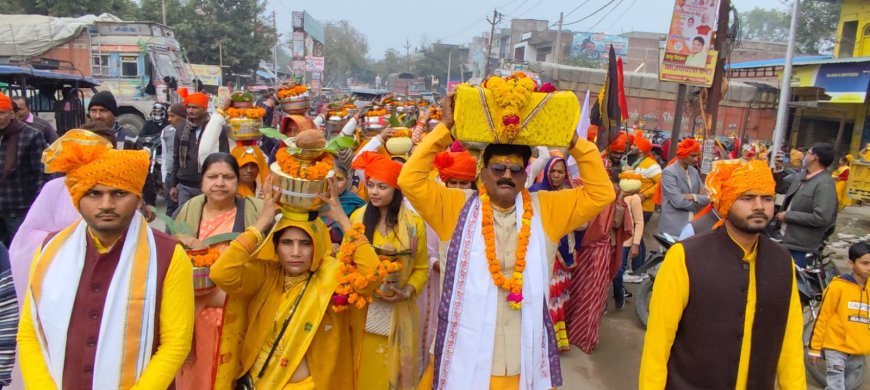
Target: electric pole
275 54
408 53
557 50
785 89
496 19
163 6
719 75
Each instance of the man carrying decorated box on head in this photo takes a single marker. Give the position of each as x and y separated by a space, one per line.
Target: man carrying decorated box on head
494 328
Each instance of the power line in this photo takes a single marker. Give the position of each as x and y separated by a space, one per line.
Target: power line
590 15
530 9
513 11
620 16
576 8
470 26
604 17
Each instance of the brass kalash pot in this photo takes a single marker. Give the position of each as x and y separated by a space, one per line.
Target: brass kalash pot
299 194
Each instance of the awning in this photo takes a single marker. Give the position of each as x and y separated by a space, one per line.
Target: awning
843 82
265 75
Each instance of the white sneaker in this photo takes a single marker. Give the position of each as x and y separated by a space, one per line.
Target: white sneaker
631 278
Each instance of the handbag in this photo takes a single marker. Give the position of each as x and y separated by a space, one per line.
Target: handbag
246 382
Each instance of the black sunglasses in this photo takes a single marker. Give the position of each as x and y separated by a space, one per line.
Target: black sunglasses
499 169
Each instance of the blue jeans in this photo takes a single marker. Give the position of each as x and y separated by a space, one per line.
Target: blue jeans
799 257
618 285
841 367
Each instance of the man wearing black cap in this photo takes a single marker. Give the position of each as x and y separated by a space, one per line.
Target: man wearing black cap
104 109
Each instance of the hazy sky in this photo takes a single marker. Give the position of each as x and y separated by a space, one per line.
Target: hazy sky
388 23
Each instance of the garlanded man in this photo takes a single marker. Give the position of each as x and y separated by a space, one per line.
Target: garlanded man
725 311
110 300
494 328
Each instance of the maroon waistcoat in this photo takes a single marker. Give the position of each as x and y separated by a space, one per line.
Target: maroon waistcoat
87 313
706 349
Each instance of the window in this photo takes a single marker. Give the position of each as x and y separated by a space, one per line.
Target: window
100 65
129 66
847 39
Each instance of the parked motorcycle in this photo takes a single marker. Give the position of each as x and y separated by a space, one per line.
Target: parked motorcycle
650 267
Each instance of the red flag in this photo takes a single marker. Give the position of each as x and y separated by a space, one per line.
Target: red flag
623 103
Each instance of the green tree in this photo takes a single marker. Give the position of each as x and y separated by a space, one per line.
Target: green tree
817 25
345 50
237 28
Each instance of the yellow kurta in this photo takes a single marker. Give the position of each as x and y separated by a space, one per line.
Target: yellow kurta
651 171
176 329
328 342
561 213
670 297
384 358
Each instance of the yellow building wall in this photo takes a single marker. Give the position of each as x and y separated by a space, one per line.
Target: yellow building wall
855 10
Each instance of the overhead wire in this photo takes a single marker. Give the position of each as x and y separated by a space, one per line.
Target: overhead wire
590 29
530 9
620 16
590 15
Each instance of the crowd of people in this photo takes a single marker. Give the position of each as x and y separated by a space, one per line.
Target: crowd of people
431 266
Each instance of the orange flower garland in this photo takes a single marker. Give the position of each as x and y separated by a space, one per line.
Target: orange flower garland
377 112
339 113
295 90
250 113
207 259
514 285
291 166
353 285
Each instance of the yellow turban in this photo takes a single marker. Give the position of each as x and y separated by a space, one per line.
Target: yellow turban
88 160
732 178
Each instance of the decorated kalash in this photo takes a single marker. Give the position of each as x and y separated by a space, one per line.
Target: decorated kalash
495 329
245 120
337 116
295 102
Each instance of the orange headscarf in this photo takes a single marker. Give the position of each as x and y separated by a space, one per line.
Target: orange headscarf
5 102
380 167
732 178
456 165
687 147
88 160
621 143
246 154
642 143
197 99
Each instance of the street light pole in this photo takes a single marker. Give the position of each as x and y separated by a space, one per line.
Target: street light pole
785 89
163 5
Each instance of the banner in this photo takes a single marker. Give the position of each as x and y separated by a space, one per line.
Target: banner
690 75
297 67
594 47
844 82
314 64
689 38
208 74
298 45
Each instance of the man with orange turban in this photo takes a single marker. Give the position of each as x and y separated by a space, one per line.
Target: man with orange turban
456 169
747 307
21 175
641 160
110 300
681 189
200 137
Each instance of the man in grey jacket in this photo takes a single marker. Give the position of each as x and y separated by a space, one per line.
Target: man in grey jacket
810 206
682 189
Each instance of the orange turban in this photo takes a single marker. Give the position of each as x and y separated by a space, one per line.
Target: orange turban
5 102
687 147
246 154
642 143
197 99
732 178
620 143
88 160
456 165
380 167
592 133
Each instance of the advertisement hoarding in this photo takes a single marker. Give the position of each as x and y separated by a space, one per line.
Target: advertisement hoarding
687 55
596 47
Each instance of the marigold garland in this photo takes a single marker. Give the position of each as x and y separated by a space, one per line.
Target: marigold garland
293 91
291 166
514 285
354 286
377 112
204 258
250 113
339 113
511 94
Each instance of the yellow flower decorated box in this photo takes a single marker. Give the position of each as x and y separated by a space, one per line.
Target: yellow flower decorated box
513 110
